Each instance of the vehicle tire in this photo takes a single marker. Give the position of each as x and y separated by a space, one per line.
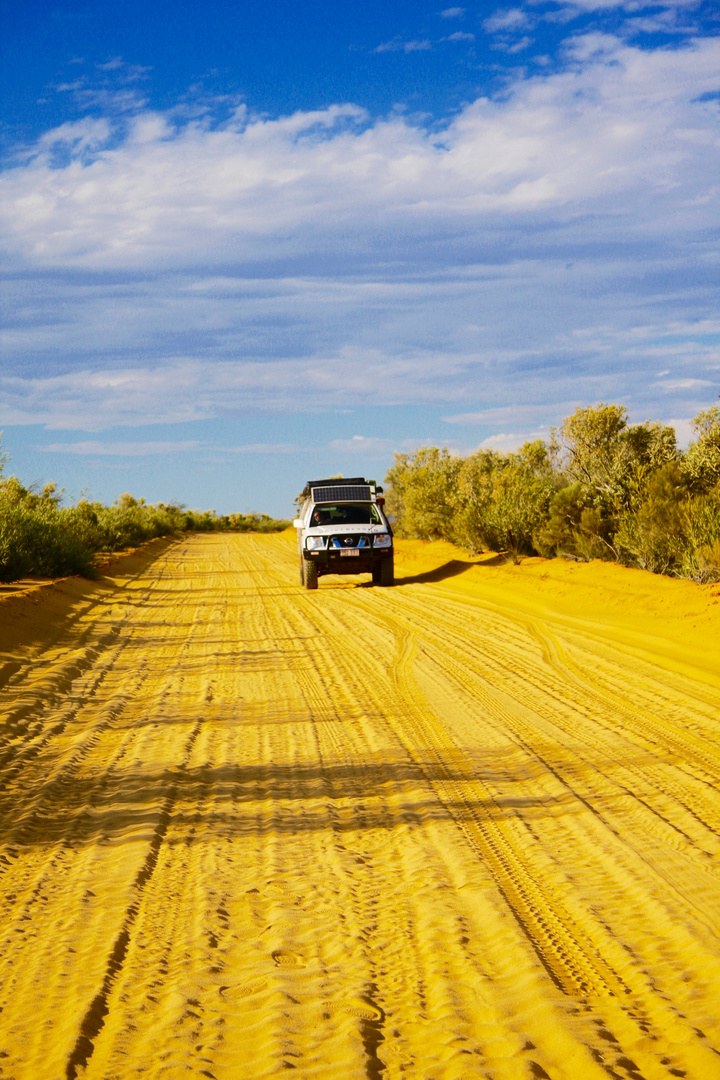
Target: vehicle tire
376 573
387 572
302 570
311 574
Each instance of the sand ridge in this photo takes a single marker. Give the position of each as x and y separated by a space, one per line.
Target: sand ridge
467 827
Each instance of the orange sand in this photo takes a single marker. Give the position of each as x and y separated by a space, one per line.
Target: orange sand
467 827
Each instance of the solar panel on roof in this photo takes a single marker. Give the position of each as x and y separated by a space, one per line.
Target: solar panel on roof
342 493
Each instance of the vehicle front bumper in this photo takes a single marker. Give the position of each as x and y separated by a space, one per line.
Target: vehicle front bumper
331 561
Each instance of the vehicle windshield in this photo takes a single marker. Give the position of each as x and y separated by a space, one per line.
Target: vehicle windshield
346 514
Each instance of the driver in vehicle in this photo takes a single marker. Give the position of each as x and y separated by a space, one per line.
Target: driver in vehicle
345 515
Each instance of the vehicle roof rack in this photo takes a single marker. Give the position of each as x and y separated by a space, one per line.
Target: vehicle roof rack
340 489
337 481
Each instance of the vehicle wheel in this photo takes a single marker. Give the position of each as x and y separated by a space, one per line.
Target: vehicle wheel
387 572
376 573
302 570
311 574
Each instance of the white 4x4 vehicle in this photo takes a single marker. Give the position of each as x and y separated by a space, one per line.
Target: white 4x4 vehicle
343 529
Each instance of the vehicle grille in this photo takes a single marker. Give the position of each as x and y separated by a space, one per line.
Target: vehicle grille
349 540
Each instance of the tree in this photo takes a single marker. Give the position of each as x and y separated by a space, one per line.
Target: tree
613 461
591 441
519 500
655 534
501 497
603 488
423 492
575 527
647 448
702 461
701 558
473 498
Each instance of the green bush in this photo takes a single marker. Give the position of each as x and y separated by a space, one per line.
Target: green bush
576 526
702 461
701 553
601 488
424 493
33 539
654 536
488 500
39 537
503 496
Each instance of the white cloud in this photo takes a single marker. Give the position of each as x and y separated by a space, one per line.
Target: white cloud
459 35
508 442
149 128
397 45
86 136
631 6
189 390
91 448
683 430
111 65
361 444
121 70
266 448
509 414
111 88
595 45
509 20
518 46
658 22
550 244
453 13
684 384
621 122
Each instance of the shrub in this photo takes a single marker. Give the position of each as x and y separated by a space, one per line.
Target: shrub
503 497
655 535
575 526
423 493
702 461
701 554
34 541
614 461
39 537
601 488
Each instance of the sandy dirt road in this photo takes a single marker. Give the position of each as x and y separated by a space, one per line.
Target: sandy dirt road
452 830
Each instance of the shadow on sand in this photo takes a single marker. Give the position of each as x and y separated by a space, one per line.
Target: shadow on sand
229 800
450 569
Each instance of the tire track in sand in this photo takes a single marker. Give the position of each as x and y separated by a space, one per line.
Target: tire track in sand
94 1019
356 832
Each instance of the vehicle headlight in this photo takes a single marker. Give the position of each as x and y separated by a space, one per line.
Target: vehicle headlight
314 542
383 540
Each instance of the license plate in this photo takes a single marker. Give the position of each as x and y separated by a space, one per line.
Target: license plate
354 551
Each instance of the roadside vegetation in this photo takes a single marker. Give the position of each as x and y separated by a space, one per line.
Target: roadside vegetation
39 537
600 488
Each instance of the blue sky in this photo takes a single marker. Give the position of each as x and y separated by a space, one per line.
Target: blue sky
248 244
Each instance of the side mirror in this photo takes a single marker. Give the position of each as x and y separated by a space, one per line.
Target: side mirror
297 523
391 519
